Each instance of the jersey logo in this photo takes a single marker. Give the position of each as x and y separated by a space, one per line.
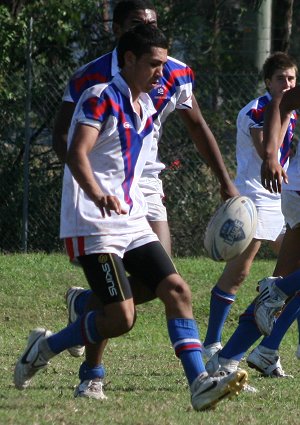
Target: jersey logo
160 92
127 124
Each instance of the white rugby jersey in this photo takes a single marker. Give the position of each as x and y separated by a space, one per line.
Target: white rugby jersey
174 91
248 180
117 159
293 173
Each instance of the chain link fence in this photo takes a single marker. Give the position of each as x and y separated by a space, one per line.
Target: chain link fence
192 192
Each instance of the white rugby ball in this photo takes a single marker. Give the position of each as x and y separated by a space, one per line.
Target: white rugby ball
231 229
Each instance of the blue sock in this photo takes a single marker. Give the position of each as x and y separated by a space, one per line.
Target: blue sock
184 336
290 313
87 373
220 305
290 284
81 301
244 336
81 332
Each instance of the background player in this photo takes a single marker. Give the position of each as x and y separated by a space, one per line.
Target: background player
279 72
265 357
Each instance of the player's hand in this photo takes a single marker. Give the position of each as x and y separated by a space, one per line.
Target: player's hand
272 175
108 203
228 191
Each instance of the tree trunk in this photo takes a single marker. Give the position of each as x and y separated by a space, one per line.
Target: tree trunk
282 24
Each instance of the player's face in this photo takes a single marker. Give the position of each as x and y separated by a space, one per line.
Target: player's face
148 69
281 81
143 16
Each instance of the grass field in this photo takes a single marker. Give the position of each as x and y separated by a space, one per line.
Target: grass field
145 384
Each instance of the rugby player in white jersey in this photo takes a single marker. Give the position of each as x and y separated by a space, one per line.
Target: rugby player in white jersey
174 92
104 225
274 290
279 73
265 356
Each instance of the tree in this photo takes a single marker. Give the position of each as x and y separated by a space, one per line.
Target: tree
282 24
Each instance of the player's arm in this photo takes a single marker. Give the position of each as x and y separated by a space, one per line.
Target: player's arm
61 127
257 139
77 159
275 125
207 146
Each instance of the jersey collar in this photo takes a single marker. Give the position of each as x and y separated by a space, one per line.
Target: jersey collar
144 97
114 63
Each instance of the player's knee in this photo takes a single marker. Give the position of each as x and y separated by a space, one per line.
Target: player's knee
243 274
127 321
174 289
234 281
119 320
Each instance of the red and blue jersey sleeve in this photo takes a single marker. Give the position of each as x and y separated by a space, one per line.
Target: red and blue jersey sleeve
95 72
176 86
256 113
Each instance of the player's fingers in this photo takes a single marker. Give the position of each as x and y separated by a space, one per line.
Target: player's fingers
102 212
107 210
276 185
102 205
114 205
267 184
285 177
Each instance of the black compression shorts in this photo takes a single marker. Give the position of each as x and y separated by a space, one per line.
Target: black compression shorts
106 273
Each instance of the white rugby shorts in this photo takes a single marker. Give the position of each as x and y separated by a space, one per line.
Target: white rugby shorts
153 192
113 244
270 223
290 205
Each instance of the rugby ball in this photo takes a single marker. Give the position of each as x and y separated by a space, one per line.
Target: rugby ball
231 229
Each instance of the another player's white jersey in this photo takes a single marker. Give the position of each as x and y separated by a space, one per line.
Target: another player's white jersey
117 159
293 173
248 180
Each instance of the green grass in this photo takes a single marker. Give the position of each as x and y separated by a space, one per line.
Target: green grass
145 384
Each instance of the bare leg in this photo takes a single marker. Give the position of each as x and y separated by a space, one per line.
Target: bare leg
289 255
236 270
161 228
276 245
141 294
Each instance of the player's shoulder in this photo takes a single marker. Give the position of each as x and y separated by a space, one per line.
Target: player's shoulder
104 60
176 64
258 103
95 91
178 72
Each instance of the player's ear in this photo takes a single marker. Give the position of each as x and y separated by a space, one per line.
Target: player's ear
117 30
129 58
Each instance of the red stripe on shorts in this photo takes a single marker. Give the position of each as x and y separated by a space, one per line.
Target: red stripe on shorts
69 248
80 242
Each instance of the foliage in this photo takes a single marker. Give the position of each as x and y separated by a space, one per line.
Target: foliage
59 28
203 32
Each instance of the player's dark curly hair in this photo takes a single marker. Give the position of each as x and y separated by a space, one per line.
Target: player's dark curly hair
140 40
124 7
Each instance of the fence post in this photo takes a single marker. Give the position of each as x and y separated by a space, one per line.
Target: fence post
27 135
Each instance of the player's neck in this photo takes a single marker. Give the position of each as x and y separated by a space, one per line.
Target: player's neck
135 92
137 107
